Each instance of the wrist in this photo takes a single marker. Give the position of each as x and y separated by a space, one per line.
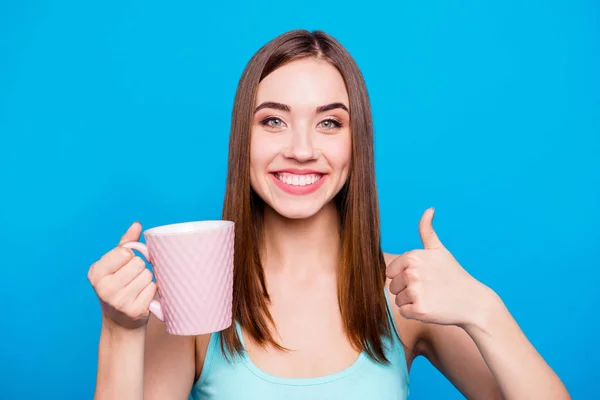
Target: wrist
487 309
114 331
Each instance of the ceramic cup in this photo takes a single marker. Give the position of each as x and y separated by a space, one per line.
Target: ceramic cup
193 267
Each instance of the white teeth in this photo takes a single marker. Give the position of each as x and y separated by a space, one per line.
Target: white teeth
298 180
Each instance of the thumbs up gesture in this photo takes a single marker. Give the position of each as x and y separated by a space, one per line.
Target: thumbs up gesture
431 286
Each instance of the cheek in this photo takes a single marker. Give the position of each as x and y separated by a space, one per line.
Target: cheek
262 152
338 150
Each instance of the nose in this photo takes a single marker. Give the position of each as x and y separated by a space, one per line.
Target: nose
301 146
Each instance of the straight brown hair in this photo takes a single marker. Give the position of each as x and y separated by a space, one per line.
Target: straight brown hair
361 273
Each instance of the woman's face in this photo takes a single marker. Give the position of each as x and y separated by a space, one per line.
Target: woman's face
300 144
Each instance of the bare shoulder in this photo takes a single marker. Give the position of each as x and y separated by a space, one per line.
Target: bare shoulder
411 331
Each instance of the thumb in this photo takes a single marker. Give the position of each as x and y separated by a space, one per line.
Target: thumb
428 236
133 233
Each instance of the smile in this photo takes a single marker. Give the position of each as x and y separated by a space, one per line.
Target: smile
297 180
298 184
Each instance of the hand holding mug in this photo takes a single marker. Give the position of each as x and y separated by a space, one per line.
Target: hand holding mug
193 265
123 283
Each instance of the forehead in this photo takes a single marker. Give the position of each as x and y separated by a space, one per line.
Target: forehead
306 82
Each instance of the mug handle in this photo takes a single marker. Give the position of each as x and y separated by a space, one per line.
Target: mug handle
155 307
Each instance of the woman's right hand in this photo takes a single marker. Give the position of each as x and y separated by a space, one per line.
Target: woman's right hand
123 284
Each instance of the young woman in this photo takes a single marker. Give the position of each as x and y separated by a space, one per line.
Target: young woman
320 311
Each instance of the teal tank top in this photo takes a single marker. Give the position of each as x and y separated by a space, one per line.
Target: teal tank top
241 379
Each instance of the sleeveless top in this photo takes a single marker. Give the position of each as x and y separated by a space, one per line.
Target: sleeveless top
239 378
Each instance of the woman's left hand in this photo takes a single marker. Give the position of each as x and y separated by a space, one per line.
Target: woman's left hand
431 286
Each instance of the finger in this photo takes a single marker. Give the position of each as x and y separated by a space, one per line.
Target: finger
398 284
111 262
403 298
133 233
428 236
143 300
396 266
135 287
408 311
128 272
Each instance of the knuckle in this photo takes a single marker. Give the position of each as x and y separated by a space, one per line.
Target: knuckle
393 289
133 268
120 303
398 301
146 275
411 274
113 253
103 291
404 311
416 291
126 253
139 262
412 256
153 288
141 312
91 273
131 310
138 310
96 272
103 257
418 312
388 271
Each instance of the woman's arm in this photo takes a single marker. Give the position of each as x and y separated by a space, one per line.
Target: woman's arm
120 373
169 363
467 330
137 359
145 363
491 358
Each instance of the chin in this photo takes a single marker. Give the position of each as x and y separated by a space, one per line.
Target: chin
297 211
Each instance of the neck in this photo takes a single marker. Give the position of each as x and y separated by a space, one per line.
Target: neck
301 247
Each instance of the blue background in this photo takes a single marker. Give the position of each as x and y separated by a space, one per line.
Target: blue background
118 111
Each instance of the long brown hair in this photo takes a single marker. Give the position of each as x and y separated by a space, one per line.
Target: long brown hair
361 273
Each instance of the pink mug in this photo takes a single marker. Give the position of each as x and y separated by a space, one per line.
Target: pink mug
193 266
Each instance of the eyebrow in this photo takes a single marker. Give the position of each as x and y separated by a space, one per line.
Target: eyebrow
286 108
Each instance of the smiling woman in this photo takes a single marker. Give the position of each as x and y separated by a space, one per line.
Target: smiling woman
303 89
319 310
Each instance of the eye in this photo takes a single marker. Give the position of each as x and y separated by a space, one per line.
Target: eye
330 124
273 122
